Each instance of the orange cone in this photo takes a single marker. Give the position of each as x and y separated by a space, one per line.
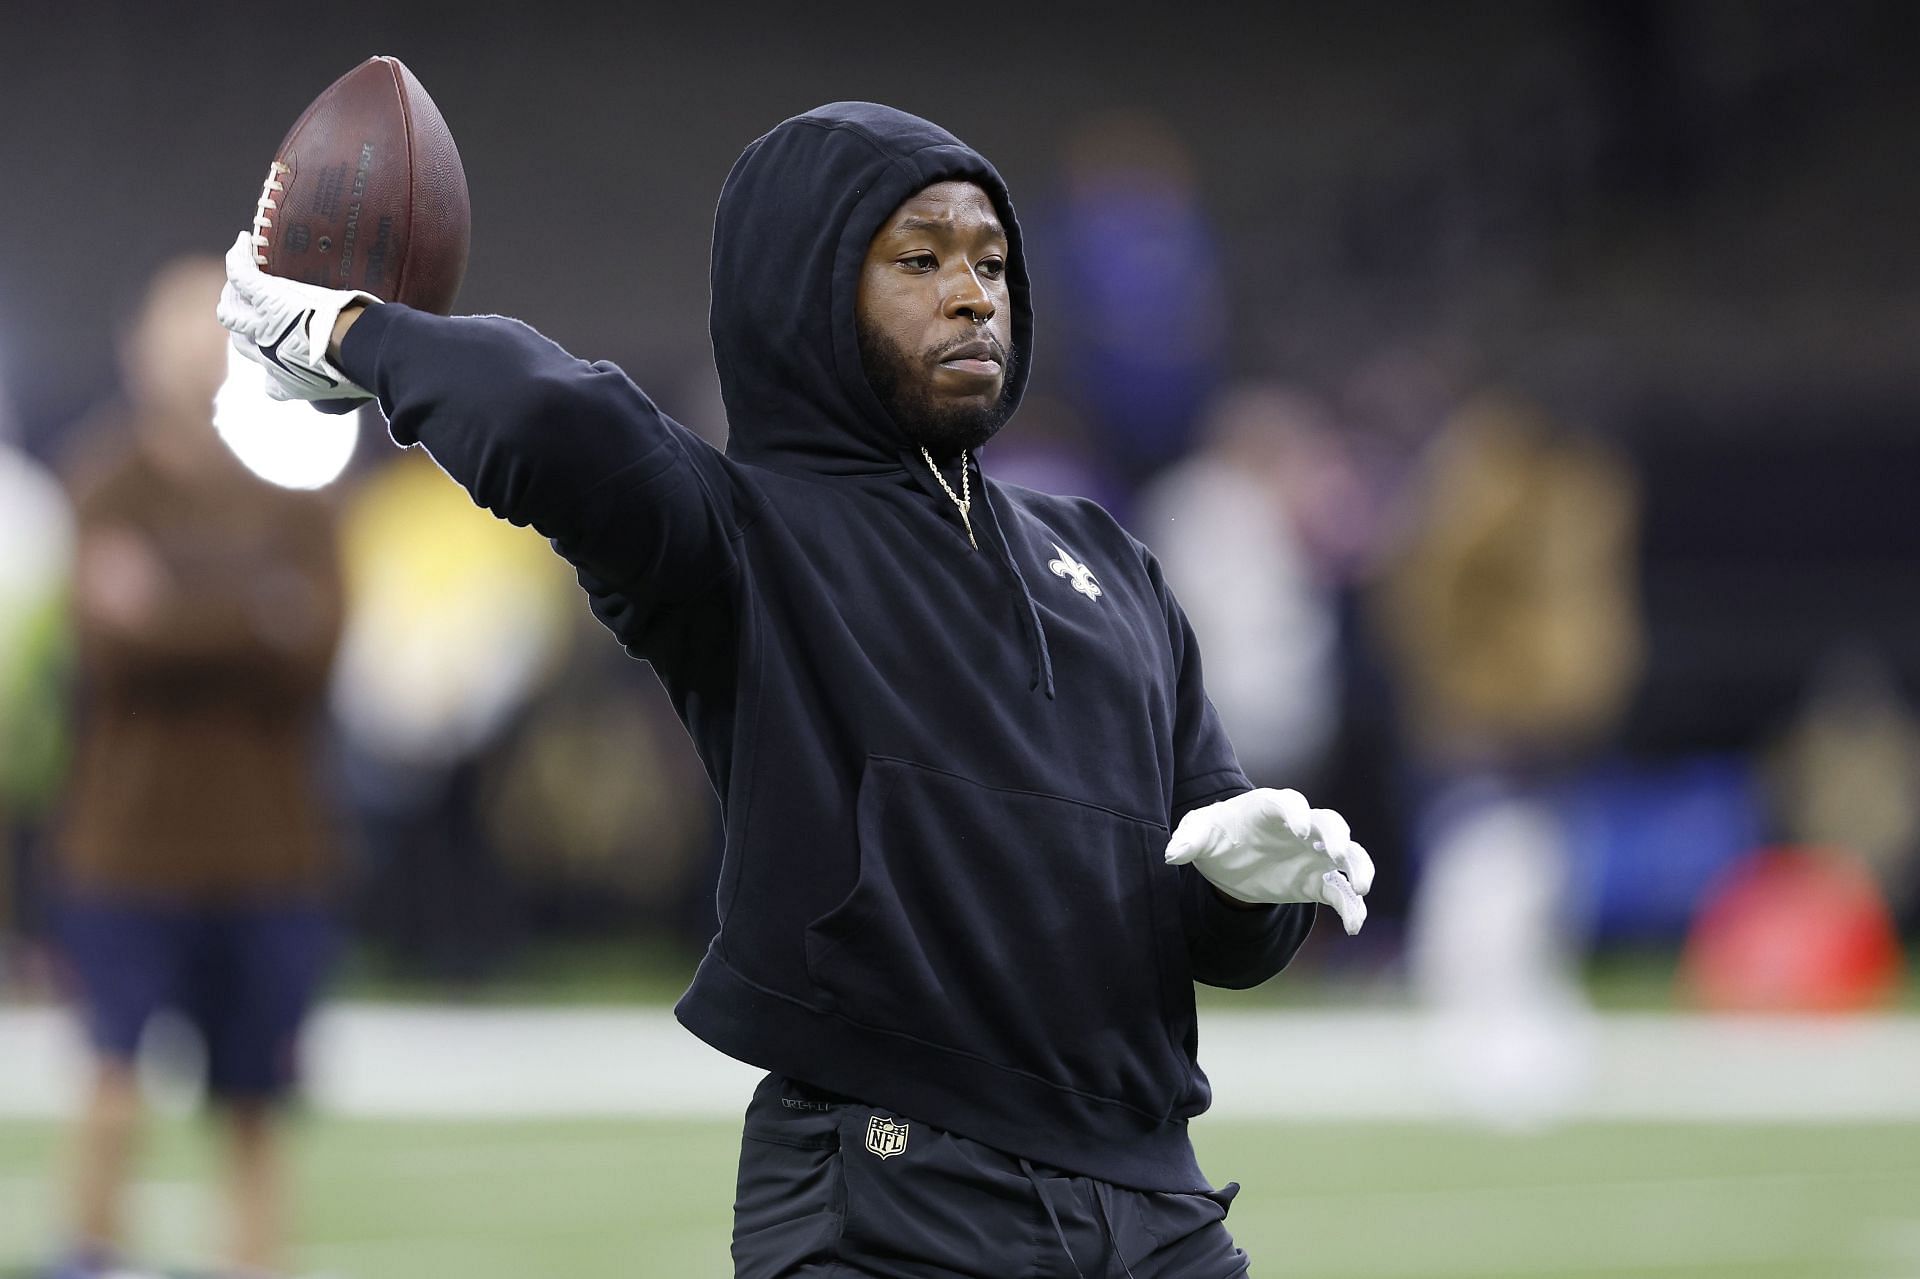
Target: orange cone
1793 930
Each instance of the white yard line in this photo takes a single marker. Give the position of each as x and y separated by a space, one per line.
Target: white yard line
433 1061
1624 1067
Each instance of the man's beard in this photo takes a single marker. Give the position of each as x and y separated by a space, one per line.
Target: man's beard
900 382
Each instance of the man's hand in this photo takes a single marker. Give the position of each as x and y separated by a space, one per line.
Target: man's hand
1269 846
287 327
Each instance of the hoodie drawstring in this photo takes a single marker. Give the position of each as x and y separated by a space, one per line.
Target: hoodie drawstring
1042 668
1053 1216
1103 1195
1040 672
1101 1191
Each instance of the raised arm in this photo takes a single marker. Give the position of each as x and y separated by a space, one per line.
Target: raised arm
538 437
643 507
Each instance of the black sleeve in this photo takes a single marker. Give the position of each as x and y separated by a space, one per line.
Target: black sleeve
1236 948
629 496
1226 945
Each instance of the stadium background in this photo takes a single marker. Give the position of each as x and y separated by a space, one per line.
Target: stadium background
1673 238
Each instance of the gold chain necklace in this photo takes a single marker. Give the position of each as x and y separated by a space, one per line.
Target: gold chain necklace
964 498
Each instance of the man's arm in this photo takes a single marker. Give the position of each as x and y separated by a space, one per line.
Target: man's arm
1238 945
1230 943
541 438
576 450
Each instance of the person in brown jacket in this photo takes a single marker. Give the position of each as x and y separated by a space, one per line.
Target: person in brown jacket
1514 618
194 853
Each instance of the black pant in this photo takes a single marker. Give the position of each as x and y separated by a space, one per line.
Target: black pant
831 1189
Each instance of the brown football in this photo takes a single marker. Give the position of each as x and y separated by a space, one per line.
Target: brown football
367 192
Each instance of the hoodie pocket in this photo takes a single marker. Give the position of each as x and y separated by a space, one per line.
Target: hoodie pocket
1029 931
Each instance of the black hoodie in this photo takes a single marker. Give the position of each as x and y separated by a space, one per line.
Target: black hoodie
948 774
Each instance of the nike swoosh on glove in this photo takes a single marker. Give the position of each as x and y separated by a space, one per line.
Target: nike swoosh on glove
1271 846
284 327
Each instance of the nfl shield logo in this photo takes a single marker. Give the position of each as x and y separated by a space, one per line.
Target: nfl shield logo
886 1138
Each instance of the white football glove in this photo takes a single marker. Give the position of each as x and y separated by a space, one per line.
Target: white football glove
1269 846
284 327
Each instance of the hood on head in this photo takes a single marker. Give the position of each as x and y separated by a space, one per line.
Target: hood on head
790 237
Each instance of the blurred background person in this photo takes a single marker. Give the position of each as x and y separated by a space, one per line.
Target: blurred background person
36 550
603 823
1809 923
1143 331
195 854
1512 617
1225 524
1846 772
454 619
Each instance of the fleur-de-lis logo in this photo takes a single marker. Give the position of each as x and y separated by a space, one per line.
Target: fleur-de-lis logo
1074 571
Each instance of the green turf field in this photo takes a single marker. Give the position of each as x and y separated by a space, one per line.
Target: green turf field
515 1199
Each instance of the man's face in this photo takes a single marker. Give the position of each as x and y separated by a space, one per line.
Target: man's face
935 320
